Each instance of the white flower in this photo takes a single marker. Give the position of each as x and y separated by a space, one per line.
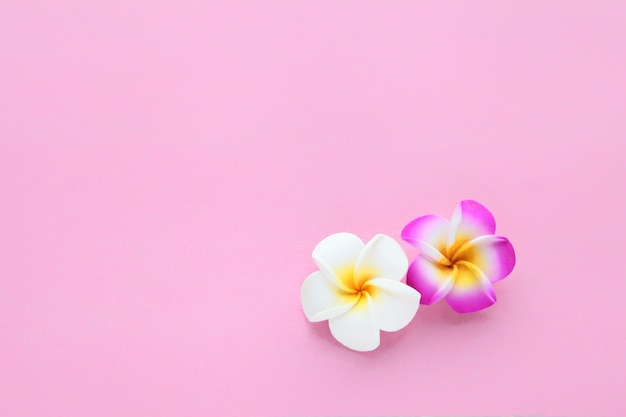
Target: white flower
358 289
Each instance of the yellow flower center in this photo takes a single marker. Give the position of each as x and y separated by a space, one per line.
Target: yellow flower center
457 253
353 282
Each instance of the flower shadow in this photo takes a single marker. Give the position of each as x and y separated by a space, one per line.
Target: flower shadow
442 313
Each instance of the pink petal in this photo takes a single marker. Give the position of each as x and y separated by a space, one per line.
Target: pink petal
472 291
428 234
493 255
470 220
431 279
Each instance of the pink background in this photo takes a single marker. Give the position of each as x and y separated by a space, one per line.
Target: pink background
166 169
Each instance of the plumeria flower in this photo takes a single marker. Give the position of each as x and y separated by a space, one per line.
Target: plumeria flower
459 259
358 289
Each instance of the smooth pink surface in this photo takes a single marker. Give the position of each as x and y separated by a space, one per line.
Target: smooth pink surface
166 169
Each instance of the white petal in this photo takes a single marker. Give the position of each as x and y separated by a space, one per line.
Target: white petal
382 257
395 303
337 254
357 329
321 299
341 277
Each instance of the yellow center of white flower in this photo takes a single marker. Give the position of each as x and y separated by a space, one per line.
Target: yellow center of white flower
354 282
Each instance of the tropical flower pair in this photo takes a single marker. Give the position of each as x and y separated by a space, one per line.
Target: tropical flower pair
359 287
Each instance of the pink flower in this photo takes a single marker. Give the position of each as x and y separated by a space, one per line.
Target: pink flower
460 258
